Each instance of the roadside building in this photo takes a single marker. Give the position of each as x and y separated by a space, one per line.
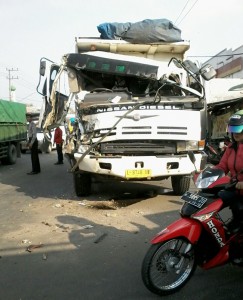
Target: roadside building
224 97
228 63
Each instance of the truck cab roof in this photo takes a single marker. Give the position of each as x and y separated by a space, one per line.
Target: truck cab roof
152 50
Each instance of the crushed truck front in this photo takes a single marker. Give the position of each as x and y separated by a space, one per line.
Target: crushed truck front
136 117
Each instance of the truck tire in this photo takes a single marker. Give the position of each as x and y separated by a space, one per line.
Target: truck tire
82 184
11 155
180 184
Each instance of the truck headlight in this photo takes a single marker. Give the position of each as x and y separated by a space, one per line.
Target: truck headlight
83 148
183 146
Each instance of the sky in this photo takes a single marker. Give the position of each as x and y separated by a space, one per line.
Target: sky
31 29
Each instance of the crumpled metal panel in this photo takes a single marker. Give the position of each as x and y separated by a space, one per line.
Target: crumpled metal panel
113 64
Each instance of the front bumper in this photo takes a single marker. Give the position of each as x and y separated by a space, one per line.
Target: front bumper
149 167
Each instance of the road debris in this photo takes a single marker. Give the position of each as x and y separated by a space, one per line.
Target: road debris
110 215
44 256
26 242
58 205
100 238
46 223
103 204
87 227
32 247
64 228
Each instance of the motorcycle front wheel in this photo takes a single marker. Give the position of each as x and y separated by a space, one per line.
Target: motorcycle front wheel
168 266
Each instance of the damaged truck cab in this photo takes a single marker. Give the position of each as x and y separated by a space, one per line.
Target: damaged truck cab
139 110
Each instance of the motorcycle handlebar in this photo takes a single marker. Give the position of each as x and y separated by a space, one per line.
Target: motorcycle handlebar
230 186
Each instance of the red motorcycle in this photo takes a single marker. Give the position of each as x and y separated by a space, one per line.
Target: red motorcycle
199 238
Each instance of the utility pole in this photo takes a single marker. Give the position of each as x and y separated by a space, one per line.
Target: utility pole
10 77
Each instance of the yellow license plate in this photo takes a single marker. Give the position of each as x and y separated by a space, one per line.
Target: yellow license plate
141 173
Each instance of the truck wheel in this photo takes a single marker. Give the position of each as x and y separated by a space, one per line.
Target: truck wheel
82 184
180 184
11 155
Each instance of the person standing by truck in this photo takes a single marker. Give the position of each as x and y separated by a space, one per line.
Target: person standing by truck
58 140
33 146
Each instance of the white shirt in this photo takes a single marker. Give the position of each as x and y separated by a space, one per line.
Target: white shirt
32 132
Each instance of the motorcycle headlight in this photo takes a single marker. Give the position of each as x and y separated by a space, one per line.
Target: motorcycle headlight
203 217
205 182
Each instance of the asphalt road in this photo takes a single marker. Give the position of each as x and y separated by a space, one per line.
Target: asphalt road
57 246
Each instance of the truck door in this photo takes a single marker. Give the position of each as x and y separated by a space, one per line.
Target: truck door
54 95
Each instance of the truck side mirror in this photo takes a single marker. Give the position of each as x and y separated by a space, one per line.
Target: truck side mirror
42 68
207 72
191 66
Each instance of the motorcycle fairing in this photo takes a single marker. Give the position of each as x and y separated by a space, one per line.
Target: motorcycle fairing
221 258
191 230
215 205
215 228
220 183
186 227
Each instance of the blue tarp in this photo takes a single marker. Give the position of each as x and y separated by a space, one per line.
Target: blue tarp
143 32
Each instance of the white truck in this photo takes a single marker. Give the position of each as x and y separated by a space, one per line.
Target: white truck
224 97
140 109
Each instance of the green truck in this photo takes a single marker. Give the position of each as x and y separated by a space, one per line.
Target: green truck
13 130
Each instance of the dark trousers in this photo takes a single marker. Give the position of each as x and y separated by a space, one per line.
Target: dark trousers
35 157
59 153
235 202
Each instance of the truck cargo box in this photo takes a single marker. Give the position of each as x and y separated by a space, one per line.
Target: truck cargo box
12 121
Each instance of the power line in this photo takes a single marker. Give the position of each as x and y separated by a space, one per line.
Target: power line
28 95
188 12
221 55
182 11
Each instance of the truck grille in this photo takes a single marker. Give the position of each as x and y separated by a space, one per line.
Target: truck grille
138 147
139 130
172 130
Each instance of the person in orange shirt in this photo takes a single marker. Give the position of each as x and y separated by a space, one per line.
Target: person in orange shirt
58 140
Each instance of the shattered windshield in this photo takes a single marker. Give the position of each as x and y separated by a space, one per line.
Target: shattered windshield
138 76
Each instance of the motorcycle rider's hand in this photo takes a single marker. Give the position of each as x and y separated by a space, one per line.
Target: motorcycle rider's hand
239 185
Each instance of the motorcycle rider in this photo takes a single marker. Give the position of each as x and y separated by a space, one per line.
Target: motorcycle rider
232 163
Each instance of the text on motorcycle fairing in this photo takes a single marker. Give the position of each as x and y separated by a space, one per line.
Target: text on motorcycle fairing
215 232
